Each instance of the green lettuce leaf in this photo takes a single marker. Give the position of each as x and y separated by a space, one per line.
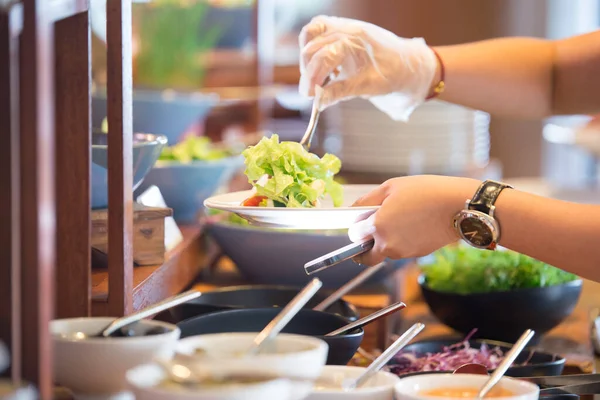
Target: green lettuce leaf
193 148
296 178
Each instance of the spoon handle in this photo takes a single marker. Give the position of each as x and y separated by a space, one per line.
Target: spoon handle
286 315
368 319
149 311
510 357
349 286
387 355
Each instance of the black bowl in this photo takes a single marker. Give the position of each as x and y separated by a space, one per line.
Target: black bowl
539 363
306 322
259 296
504 316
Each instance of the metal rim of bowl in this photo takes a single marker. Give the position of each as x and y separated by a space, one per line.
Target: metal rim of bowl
574 283
307 232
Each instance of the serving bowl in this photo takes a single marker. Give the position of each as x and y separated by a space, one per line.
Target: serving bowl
412 388
258 296
185 186
277 256
538 363
97 366
166 112
146 150
145 383
288 355
306 322
379 387
504 316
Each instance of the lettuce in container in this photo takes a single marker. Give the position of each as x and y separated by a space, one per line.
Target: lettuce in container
284 174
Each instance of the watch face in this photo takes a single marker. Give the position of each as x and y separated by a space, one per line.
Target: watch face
476 232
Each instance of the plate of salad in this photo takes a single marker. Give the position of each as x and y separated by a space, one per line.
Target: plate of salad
293 189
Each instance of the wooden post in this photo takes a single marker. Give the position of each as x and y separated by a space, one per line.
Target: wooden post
37 202
11 20
120 157
73 147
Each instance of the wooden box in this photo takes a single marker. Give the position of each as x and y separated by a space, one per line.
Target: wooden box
148 233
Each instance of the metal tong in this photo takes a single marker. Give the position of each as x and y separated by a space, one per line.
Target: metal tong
580 384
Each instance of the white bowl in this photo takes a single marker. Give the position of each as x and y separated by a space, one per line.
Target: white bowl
379 387
292 355
96 367
143 381
410 388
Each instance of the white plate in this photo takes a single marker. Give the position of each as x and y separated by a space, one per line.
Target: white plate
325 217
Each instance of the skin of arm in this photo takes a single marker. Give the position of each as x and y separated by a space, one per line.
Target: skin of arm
524 77
563 234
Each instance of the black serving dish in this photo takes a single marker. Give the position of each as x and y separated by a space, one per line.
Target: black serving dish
540 363
255 296
504 316
306 322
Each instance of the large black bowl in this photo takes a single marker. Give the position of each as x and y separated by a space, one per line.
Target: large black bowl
259 296
306 322
539 363
504 316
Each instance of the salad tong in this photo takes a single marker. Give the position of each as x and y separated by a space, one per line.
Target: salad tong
314 116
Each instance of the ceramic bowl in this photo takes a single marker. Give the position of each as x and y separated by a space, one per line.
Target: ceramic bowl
294 355
146 150
411 388
144 383
379 387
96 367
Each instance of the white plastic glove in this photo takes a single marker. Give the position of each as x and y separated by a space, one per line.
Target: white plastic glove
394 73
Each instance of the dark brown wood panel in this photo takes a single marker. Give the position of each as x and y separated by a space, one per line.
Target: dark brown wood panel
73 83
10 332
37 201
120 135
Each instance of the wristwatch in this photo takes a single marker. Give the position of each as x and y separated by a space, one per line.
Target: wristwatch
476 224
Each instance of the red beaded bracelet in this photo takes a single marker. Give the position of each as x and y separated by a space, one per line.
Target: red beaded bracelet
439 88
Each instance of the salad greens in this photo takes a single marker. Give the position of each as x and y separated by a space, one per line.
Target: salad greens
193 148
288 174
465 270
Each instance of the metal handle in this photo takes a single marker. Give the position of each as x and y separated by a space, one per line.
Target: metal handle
387 355
351 285
149 311
369 318
338 256
510 357
286 315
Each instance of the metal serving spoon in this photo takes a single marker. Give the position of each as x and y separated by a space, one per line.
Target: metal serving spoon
386 356
314 116
368 319
115 328
285 316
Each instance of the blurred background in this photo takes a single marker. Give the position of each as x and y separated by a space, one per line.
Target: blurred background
248 57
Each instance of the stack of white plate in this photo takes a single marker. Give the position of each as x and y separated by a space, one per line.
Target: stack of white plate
439 138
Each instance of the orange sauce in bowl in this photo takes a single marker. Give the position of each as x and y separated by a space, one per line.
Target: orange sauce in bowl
464 392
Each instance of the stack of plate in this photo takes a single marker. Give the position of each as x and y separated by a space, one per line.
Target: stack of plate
439 138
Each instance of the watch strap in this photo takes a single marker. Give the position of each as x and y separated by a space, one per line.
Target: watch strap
486 196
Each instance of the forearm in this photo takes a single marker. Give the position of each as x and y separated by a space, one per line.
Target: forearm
512 76
524 77
565 235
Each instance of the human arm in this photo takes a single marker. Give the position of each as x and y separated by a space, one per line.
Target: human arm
416 214
518 77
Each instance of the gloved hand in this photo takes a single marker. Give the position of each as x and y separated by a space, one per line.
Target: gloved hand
396 74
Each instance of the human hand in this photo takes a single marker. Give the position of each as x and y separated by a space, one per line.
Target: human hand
415 217
396 74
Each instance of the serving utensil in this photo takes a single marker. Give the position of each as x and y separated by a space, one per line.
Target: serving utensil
116 327
285 316
386 356
368 319
506 363
314 116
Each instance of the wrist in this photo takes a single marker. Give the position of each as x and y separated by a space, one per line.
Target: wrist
437 85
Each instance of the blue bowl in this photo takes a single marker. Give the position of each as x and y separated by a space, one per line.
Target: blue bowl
185 186
164 113
146 150
277 257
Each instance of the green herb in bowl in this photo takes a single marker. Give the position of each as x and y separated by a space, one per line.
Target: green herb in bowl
466 270
194 148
